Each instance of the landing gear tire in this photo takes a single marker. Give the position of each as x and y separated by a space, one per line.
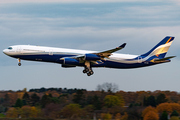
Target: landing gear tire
19 64
88 74
91 72
84 71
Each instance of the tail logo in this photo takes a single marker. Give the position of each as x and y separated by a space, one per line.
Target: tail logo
168 40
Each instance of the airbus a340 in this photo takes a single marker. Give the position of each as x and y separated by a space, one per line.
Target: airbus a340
89 59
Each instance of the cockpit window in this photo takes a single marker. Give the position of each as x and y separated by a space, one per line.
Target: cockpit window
10 48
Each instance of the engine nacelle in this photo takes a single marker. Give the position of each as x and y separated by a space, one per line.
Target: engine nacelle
92 57
70 61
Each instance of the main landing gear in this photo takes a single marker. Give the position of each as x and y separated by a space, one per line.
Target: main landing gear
88 69
19 62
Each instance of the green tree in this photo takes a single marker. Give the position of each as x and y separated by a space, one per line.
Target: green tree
174 113
46 99
35 99
164 116
18 103
151 101
96 102
79 97
161 98
26 96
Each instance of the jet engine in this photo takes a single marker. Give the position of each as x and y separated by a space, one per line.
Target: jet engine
70 61
92 57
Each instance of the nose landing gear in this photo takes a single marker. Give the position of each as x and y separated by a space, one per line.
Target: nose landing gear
19 62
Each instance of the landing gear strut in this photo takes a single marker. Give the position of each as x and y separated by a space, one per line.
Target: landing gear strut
19 62
88 69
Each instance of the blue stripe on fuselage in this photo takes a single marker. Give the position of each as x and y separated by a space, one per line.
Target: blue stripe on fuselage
55 58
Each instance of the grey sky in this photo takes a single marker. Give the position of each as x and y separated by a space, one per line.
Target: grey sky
96 25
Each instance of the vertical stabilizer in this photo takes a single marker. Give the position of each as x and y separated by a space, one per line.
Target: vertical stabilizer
160 50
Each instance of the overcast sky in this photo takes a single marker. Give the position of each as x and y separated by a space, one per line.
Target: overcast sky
91 25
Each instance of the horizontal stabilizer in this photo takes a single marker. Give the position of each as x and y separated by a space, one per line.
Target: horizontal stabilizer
167 58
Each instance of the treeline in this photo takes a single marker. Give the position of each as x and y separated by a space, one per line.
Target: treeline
105 103
58 90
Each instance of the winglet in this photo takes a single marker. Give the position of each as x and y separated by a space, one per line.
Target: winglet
123 45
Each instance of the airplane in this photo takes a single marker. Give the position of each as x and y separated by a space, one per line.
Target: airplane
89 59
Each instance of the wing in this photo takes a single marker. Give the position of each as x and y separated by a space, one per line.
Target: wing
95 58
109 52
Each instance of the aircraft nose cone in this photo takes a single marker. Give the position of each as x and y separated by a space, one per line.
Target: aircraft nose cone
4 51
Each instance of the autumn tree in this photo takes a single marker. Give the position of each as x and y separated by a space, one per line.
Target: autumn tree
125 116
164 107
71 111
148 109
13 112
106 116
112 100
52 110
28 111
118 116
151 115
175 107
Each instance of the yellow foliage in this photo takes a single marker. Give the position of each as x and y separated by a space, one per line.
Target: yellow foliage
151 115
106 116
71 111
24 112
147 109
20 95
112 100
13 112
174 118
